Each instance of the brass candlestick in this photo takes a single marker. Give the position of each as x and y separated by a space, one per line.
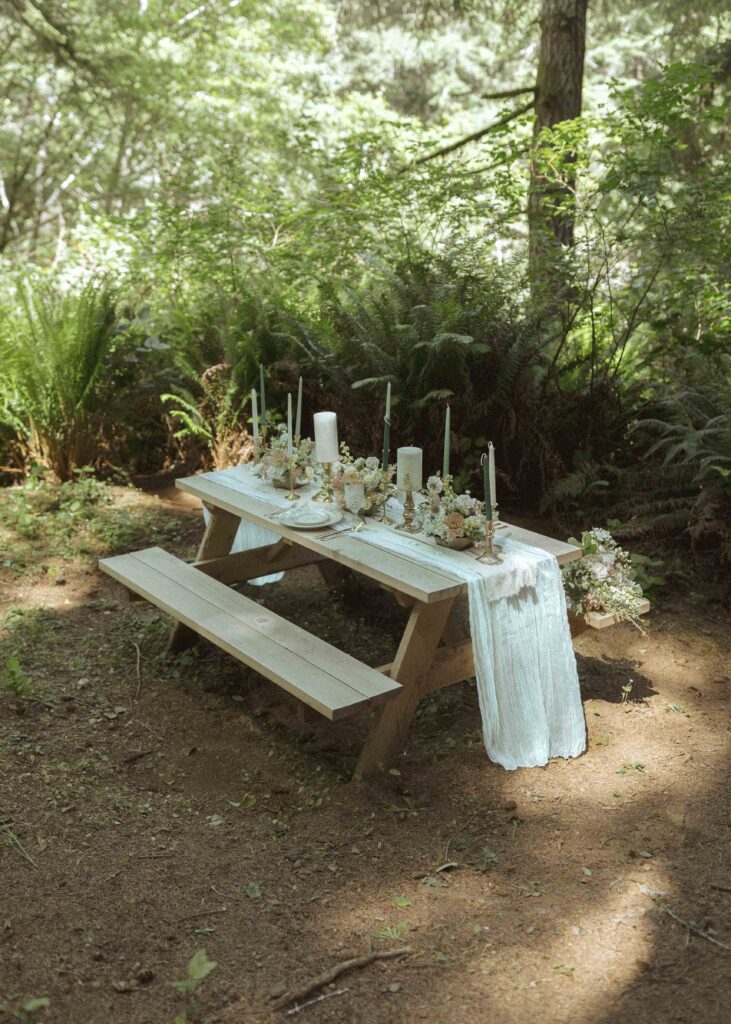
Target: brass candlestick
408 523
291 496
490 556
384 496
325 494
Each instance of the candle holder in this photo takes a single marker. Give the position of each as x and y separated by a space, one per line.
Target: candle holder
490 555
408 525
384 496
497 523
291 496
325 494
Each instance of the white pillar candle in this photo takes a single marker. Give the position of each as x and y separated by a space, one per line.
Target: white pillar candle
298 421
408 469
326 437
289 425
491 469
254 415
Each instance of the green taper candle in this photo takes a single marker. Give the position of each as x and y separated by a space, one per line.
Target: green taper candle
486 481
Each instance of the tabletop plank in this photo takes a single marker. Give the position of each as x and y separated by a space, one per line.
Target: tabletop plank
394 570
420 582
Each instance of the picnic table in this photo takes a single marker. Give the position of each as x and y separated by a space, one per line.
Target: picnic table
433 653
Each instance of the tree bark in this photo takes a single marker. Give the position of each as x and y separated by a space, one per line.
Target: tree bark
557 98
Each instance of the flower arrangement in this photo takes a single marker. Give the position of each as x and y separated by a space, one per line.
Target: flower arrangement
366 471
602 580
275 462
455 520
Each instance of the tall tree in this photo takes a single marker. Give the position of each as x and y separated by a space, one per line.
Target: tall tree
558 93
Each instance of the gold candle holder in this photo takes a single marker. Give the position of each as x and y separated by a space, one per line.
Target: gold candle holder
408 524
325 494
384 497
291 496
490 555
496 519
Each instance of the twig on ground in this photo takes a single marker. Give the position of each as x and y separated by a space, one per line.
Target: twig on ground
455 834
694 928
317 999
136 757
137 668
332 973
720 888
228 895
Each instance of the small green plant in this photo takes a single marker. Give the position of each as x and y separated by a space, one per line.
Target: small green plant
25 1014
198 970
627 690
13 679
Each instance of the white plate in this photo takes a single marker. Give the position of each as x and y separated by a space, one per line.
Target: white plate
311 517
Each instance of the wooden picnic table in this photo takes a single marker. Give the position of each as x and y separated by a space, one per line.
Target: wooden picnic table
434 651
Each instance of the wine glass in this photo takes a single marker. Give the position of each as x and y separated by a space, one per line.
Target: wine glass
355 501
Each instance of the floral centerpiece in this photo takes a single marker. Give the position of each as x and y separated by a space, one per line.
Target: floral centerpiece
275 462
377 485
602 580
455 520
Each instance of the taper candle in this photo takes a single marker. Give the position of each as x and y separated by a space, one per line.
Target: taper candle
408 468
289 424
491 467
486 483
447 439
326 437
298 421
263 395
387 428
254 415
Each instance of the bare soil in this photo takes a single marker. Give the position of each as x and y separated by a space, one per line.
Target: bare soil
153 807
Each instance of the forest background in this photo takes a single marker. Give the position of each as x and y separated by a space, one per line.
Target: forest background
517 209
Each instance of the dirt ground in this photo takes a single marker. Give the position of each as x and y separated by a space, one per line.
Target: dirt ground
151 808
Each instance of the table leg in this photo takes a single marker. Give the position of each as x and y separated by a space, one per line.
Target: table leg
217 540
412 663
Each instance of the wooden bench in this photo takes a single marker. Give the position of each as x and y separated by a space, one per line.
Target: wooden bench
318 674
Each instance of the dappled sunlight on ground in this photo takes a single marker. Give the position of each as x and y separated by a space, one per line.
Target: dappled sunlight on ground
155 807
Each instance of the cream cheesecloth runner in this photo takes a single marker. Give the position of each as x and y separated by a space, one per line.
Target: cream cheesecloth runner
527 683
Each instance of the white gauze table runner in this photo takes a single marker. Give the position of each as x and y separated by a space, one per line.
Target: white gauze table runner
527 683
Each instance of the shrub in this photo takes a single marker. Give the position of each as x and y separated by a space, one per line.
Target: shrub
57 375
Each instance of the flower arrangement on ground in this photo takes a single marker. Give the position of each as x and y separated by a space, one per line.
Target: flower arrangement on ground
275 463
602 580
455 520
377 485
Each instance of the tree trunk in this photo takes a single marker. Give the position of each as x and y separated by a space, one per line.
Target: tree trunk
558 98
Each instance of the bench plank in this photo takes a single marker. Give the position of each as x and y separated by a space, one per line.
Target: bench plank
329 680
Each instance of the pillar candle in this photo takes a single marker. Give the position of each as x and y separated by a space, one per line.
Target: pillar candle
491 467
326 437
263 395
486 482
387 428
447 439
254 415
289 425
408 469
298 421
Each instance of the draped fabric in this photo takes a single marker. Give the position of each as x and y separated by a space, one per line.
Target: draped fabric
525 668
